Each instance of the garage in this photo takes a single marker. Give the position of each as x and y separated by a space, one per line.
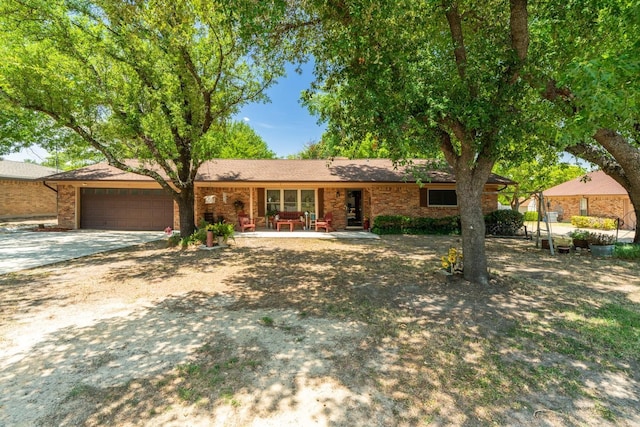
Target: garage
125 209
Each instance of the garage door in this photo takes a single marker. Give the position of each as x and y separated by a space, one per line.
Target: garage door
125 209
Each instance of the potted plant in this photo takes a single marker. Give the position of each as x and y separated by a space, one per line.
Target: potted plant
222 231
271 213
563 244
580 238
601 244
210 229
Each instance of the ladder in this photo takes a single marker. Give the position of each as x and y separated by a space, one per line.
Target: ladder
542 213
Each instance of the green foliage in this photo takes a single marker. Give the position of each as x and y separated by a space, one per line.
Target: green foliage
593 222
240 141
578 234
222 229
504 222
534 176
399 224
627 251
530 216
601 239
154 81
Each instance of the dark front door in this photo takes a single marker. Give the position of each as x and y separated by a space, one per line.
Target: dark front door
354 208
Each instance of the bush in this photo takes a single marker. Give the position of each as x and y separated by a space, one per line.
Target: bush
601 239
629 251
400 224
593 222
530 216
504 222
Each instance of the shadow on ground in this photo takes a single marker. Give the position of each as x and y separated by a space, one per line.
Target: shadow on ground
341 334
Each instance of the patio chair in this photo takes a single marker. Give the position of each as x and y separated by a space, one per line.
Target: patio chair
244 222
325 222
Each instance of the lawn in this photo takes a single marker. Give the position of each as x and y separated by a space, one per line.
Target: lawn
321 332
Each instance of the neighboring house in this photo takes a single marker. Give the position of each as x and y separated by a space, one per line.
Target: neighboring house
23 193
596 195
103 197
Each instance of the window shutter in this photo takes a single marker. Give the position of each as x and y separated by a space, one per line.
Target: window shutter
261 204
423 198
321 202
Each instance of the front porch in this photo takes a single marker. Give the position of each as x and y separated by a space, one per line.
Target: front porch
305 234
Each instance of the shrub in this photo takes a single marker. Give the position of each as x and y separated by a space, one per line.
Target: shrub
530 216
601 239
400 224
593 222
504 222
578 234
629 251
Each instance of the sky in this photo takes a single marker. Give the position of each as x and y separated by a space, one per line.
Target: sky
284 124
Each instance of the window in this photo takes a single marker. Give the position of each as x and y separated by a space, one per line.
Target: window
273 200
439 198
291 200
308 200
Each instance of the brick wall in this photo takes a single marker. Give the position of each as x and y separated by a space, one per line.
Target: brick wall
26 199
225 209
403 199
603 206
67 206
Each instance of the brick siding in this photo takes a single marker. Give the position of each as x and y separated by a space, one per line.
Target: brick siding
601 206
67 206
26 199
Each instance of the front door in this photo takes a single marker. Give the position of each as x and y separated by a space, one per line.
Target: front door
354 208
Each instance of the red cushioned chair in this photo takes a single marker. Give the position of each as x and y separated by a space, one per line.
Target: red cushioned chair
325 222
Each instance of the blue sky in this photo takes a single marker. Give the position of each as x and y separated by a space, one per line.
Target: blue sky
284 124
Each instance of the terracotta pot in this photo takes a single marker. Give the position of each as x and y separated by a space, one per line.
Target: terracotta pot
209 239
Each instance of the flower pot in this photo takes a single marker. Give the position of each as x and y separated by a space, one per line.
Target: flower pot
581 243
221 240
602 250
209 239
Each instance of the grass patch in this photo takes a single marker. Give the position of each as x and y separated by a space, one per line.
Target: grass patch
628 251
267 321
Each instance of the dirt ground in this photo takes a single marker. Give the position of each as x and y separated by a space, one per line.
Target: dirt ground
319 332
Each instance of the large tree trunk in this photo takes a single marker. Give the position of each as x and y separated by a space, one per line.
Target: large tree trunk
620 161
185 200
472 173
473 229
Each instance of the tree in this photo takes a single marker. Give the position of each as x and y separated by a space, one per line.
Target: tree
369 148
445 75
154 81
533 176
73 157
240 141
595 81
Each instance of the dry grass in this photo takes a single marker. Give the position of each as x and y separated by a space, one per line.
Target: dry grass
297 332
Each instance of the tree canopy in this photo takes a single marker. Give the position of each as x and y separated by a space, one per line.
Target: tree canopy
442 76
594 80
155 81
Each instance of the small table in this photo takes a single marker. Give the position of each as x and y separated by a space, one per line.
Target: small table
281 222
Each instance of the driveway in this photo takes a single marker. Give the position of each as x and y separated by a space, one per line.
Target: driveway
22 249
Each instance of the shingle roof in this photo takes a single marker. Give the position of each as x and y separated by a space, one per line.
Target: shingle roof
279 170
597 183
19 170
